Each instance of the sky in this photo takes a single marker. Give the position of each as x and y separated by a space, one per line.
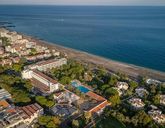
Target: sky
86 2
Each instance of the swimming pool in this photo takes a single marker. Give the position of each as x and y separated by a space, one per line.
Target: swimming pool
80 87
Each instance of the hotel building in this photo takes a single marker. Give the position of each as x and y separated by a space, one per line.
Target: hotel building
42 83
48 64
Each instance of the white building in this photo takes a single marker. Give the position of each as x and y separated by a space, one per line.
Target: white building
41 82
66 96
30 44
141 92
162 99
12 36
136 103
4 94
157 116
48 64
152 81
121 87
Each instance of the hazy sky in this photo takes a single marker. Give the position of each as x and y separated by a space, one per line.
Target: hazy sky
86 2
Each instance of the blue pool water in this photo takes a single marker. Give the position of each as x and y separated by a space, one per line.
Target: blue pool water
80 87
134 35
83 89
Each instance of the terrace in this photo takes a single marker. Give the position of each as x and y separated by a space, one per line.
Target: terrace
64 110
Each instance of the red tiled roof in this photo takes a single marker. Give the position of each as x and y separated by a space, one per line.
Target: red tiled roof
27 111
11 110
95 96
99 107
30 109
45 76
34 107
46 62
58 93
4 103
42 87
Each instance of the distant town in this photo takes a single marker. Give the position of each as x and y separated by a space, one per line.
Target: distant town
41 87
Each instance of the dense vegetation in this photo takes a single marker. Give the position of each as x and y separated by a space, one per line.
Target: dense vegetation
17 87
48 122
99 79
103 82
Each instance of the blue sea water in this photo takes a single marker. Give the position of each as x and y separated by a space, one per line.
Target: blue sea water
134 35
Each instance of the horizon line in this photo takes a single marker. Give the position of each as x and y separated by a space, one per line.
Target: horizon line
75 5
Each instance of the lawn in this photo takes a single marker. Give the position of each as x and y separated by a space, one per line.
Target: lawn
110 123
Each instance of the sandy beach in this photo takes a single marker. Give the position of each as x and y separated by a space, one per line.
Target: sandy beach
132 71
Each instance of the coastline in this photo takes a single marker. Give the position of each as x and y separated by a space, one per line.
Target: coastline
113 66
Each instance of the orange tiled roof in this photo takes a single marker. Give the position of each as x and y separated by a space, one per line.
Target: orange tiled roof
95 96
45 76
4 103
46 62
29 110
25 109
34 107
99 107
11 110
42 87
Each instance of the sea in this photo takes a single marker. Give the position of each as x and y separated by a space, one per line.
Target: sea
129 34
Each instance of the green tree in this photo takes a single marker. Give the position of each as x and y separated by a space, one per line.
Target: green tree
20 96
75 124
110 92
56 120
153 89
87 116
133 84
17 67
43 120
141 119
28 85
113 80
49 103
114 100
5 41
51 125
41 100
1 69
44 102
33 51
104 87
156 99
65 80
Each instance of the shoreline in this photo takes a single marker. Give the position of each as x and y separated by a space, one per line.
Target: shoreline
113 66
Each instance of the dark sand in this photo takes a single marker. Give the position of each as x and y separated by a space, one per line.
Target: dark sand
113 66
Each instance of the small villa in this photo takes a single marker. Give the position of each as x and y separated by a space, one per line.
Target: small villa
141 92
136 103
65 96
157 116
162 99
